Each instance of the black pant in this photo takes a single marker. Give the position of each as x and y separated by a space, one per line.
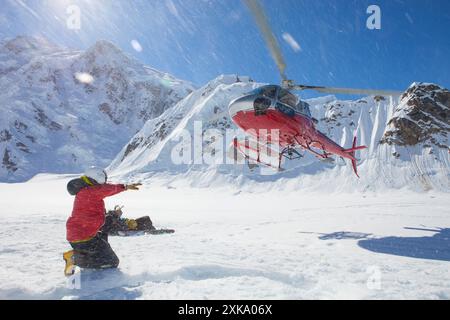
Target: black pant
95 253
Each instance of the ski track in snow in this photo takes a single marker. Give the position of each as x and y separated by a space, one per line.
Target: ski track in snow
234 245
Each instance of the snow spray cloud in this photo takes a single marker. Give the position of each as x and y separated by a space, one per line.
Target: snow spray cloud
212 147
84 77
374 280
73 282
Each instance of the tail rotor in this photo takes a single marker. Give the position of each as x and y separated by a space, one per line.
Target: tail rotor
351 153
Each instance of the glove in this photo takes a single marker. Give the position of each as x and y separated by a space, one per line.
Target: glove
133 186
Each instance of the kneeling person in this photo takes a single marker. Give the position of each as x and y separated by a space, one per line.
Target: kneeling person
91 248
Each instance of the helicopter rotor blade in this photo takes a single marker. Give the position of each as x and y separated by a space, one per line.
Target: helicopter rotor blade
266 31
346 90
264 27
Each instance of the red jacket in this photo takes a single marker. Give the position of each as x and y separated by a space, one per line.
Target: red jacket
88 214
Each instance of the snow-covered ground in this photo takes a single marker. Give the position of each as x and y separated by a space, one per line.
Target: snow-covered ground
235 245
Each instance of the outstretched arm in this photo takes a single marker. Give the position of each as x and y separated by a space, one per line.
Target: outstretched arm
107 190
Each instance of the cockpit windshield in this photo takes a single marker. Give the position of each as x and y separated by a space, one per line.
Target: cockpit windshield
267 91
284 96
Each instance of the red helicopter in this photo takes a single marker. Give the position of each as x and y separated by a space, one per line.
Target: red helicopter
274 107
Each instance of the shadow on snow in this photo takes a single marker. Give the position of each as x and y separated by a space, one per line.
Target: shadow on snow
436 247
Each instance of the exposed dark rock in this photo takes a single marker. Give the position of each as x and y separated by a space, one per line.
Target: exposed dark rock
44 120
106 109
31 138
5 135
421 117
159 134
20 126
22 147
7 162
379 98
132 146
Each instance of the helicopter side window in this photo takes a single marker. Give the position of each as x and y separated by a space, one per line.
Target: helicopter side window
287 98
307 110
303 108
261 105
285 109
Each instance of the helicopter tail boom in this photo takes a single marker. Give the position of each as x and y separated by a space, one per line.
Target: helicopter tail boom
353 149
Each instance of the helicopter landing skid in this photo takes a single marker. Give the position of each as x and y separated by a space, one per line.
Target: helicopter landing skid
245 149
291 153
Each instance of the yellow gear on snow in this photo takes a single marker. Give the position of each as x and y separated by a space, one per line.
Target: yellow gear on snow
132 224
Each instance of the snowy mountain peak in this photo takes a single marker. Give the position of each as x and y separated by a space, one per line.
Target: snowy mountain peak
24 50
104 46
104 52
228 79
63 109
27 43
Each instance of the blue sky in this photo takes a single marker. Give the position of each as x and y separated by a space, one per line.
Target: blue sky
197 40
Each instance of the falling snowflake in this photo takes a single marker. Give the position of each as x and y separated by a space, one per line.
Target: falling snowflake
291 41
136 45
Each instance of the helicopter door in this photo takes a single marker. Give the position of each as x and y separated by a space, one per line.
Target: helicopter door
261 105
287 98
